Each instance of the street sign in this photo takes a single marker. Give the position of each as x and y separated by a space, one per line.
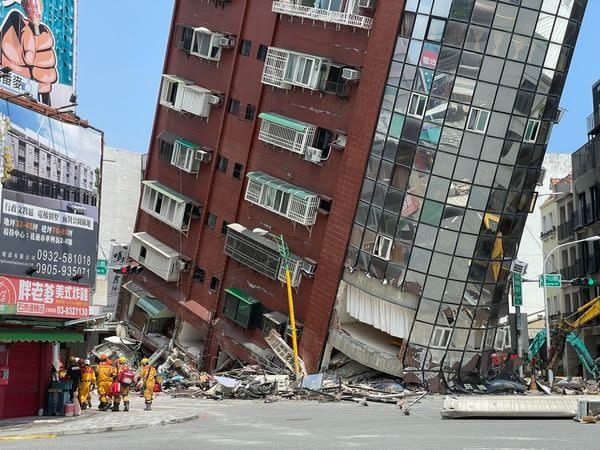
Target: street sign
552 280
101 267
517 293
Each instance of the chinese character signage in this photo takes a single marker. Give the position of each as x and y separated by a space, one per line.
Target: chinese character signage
49 198
31 297
38 44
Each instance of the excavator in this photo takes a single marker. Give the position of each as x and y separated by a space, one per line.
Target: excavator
565 331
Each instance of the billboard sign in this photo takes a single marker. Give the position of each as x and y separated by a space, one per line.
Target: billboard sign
49 199
38 43
31 297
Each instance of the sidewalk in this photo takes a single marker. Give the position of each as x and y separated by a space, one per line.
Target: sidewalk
165 411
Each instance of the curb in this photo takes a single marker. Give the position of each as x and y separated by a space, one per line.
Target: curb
94 430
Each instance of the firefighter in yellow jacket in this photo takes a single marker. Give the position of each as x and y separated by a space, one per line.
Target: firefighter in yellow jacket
125 377
88 379
148 378
105 373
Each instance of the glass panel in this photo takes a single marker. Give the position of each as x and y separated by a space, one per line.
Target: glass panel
432 212
455 33
444 164
470 64
476 38
519 47
505 17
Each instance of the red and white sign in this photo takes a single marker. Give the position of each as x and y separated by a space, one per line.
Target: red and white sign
32 297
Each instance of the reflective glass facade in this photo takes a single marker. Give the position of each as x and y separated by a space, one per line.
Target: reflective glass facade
472 92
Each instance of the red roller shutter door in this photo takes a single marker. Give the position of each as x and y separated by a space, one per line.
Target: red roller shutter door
23 391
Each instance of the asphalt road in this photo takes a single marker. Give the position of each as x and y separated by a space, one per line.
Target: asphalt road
290 424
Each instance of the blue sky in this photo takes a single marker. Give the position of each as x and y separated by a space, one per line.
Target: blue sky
119 69
120 59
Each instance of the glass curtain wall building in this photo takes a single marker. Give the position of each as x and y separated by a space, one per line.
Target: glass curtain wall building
472 94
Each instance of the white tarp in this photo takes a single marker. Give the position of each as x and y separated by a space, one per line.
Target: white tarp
393 319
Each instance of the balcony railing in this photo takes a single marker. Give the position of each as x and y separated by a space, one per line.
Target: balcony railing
341 89
323 15
566 230
568 273
593 122
548 233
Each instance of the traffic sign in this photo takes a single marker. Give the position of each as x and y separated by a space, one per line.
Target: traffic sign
517 293
101 267
552 280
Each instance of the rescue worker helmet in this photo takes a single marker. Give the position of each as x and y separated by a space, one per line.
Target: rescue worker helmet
103 357
86 362
144 361
122 360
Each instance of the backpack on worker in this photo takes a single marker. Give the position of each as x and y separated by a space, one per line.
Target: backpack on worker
127 377
115 389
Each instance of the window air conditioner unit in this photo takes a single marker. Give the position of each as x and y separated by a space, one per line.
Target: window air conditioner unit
350 74
181 264
226 41
309 266
313 154
202 155
215 99
274 320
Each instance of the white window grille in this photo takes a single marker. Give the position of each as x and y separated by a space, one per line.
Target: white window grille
284 69
205 44
329 11
382 247
532 130
188 156
416 107
478 120
441 337
167 205
182 95
155 256
260 254
286 133
282 198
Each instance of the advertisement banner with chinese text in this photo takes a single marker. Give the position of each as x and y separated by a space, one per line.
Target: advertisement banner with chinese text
32 297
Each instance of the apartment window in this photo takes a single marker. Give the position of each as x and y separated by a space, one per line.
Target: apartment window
241 308
199 274
237 171
211 220
166 141
233 106
167 205
478 120
441 337
416 108
282 198
214 283
224 228
299 69
261 54
250 111
532 130
222 164
245 47
502 340
187 35
188 156
206 45
382 247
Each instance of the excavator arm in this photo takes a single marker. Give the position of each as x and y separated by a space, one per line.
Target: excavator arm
588 312
584 355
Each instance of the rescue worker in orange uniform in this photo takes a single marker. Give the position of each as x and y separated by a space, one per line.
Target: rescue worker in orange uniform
88 379
148 378
105 373
125 377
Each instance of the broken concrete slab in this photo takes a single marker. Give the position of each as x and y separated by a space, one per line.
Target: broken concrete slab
546 406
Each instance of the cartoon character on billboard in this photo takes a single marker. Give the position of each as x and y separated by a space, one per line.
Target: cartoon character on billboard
28 45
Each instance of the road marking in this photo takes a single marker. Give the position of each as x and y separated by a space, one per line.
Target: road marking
27 437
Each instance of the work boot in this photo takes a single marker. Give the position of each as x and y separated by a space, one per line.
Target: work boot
102 406
148 406
115 407
83 406
125 406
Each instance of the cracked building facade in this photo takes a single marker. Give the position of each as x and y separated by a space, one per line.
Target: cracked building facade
396 145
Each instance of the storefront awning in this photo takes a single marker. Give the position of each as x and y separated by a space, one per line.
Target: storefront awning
154 308
33 335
